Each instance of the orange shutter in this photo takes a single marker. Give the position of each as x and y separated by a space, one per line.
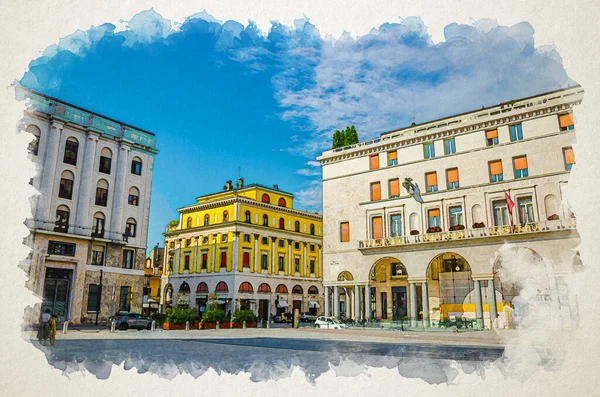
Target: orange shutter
521 163
452 175
345 232
431 179
377 227
435 212
375 191
569 156
394 187
565 120
491 134
374 159
496 167
392 156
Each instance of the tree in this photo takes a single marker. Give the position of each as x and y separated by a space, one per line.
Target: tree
350 136
338 139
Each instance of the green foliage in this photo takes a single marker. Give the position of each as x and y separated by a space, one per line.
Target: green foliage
350 136
243 315
158 317
338 139
214 315
174 223
179 315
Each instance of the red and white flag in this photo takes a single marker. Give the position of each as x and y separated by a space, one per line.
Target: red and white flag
509 203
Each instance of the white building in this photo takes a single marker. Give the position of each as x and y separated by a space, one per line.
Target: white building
437 256
90 221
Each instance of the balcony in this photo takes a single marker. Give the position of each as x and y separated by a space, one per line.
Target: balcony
471 234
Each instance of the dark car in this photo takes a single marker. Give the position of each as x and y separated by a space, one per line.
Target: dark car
124 321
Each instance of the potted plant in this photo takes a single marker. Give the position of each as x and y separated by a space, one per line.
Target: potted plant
210 318
178 316
457 227
434 229
239 316
553 217
159 318
414 232
478 225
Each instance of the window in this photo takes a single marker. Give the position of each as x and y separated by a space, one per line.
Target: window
247 217
297 289
312 248
125 298
136 166
202 287
313 290
434 219
281 223
569 157
312 266
281 243
264 262
452 178
396 225
224 237
265 198
431 182
265 220
62 219
264 287
394 186
566 122
280 263
398 269
35 143
296 245
375 191
222 287
246 238
105 161
525 206
456 215
204 260
521 167
101 193
130 227
312 230
297 265
71 147
93 302
297 226
281 289
188 222
128 259
59 248
246 259
264 241
245 287
376 227
496 173
491 137
186 262
134 196
65 189
225 216
98 225
344 232
206 219
429 150
281 202
449 146
374 162
501 217
223 258
205 240
98 256
516 132
392 158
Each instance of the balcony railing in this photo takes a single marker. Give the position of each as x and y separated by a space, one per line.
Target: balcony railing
467 234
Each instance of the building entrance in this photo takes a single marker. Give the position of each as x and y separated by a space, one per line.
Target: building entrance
399 308
263 309
57 287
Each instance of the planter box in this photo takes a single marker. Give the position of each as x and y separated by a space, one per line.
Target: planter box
171 326
224 325
241 325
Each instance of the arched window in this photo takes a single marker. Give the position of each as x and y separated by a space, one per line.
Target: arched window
281 289
102 193
313 290
297 290
281 223
281 202
136 166
65 189
222 287
265 198
62 219
413 221
35 143
297 226
202 287
245 287
477 213
312 229
134 196
130 227
98 225
247 216
71 148
265 220
188 222
225 216
185 287
264 287
206 220
105 161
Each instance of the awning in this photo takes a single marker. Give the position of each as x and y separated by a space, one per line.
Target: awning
282 304
315 305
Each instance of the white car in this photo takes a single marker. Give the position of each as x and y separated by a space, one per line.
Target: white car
329 323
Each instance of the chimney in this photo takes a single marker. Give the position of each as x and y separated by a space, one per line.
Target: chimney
240 183
276 187
228 185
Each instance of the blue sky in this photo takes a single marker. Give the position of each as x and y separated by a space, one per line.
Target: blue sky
223 95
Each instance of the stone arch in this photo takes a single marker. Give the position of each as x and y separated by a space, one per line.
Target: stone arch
477 213
168 295
551 206
185 287
413 221
345 276
388 282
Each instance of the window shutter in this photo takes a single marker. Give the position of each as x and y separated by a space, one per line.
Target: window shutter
394 187
521 163
374 161
431 179
345 226
452 175
491 134
569 156
375 191
496 167
434 212
392 156
377 227
565 120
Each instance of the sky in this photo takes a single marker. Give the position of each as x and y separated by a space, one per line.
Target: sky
224 97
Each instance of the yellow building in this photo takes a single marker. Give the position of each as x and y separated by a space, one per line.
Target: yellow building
250 247
152 273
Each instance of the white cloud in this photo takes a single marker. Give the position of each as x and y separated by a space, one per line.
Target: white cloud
310 198
308 172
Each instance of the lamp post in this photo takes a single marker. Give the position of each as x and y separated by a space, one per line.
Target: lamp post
99 297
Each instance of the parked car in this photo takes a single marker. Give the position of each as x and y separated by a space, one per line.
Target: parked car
124 321
329 322
307 318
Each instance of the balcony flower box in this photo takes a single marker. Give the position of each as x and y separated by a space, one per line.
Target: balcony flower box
457 227
553 217
478 225
435 229
414 232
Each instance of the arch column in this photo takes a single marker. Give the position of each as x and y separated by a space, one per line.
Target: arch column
478 304
326 302
368 302
425 298
49 176
357 302
82 215
336 302
413 316
492 302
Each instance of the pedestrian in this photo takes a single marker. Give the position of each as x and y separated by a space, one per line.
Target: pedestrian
44 327
53 320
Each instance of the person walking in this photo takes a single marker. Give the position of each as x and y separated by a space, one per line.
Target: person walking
53 319
44 328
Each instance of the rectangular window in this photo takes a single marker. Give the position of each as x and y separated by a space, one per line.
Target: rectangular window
392 158
223 258
65 189
491 137
132 199
93 301
265 241
98 256
62 221
188 242
186 262
525 206
280 263
130 229
456 215
281 243
204 260
128 259
344 232
501 216
204 240
566 122
375 191
296 245
429 150
297 265
377 227
452 178
449 146
374 161
101 196
432 183
264 262
125 298
59 248
394 185
98 227
516 132
312 266
224 238
246 238
569 157
136 167
496 173
246 259
104 165
70 156
396 225
434 217
521 167
312 248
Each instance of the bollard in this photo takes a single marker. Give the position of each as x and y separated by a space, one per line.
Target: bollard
187 325
268 325
65 327
112 326
153 326
259 323
243 324
217 327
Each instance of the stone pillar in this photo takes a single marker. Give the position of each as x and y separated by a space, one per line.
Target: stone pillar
478 305
305 271
336 302
413 305
492 302
86 186
256 263
116 222
425 298
177 255
49 176
368 302
326 302
317 261
357 302
289 266
235 259
273 267
213 252
196 256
